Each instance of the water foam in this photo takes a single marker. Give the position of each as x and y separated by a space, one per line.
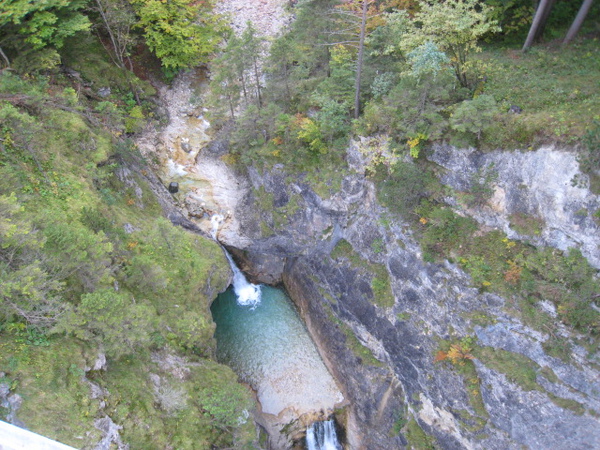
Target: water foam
322 436
247 294
216 220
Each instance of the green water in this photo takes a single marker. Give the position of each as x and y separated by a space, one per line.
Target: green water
269 348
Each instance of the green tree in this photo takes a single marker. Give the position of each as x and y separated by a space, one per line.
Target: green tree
513 16
339 86
112 320
117 19
28 291
474 116
287 66
414 106
79 256
27 26
427 59
252 49
226 81
181 33
454 26
315 30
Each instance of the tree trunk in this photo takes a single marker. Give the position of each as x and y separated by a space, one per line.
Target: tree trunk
359 63
230 100
4 57
257 81
539 20
117 50
585 7
545 15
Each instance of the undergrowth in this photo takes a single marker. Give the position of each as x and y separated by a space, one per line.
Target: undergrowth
88 265
554 87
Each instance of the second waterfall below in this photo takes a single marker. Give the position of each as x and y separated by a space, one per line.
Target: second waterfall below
322 436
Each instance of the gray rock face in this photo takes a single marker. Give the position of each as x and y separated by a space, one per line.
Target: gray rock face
110 432
397 376
10 403
545 184
529 418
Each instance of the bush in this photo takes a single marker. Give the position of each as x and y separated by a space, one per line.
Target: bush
444 231
30 291
228 404
481 186
402 189
474 116
111 320
413 106
569 282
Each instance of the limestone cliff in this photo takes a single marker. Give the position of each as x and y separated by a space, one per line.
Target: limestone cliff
397 380
379 313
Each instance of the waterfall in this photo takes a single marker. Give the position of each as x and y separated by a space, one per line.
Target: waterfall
215 221
321 436
247 294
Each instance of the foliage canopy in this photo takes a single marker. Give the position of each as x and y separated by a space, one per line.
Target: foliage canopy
182 33
455 26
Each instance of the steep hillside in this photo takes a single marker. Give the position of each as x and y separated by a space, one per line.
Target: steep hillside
105 327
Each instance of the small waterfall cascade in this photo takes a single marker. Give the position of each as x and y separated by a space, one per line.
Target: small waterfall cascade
322 436
247 294
215 221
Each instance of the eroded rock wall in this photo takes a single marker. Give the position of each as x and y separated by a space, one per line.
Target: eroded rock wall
398 379
545 184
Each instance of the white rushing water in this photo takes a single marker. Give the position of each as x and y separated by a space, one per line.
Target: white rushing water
322 436
215 221
248 294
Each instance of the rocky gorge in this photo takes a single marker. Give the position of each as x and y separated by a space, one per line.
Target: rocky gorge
379 310
330 252
219 256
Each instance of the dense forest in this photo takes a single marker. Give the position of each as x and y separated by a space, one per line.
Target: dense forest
90 268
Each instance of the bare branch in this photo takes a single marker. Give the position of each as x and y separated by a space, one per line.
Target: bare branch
351 43
4 57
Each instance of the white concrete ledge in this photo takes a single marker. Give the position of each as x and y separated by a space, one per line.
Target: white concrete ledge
15 438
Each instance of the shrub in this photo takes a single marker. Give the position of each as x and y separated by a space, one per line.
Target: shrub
111 320
413 106
474 116
228 404
525 224
481 186
444 231
458 352
403 188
